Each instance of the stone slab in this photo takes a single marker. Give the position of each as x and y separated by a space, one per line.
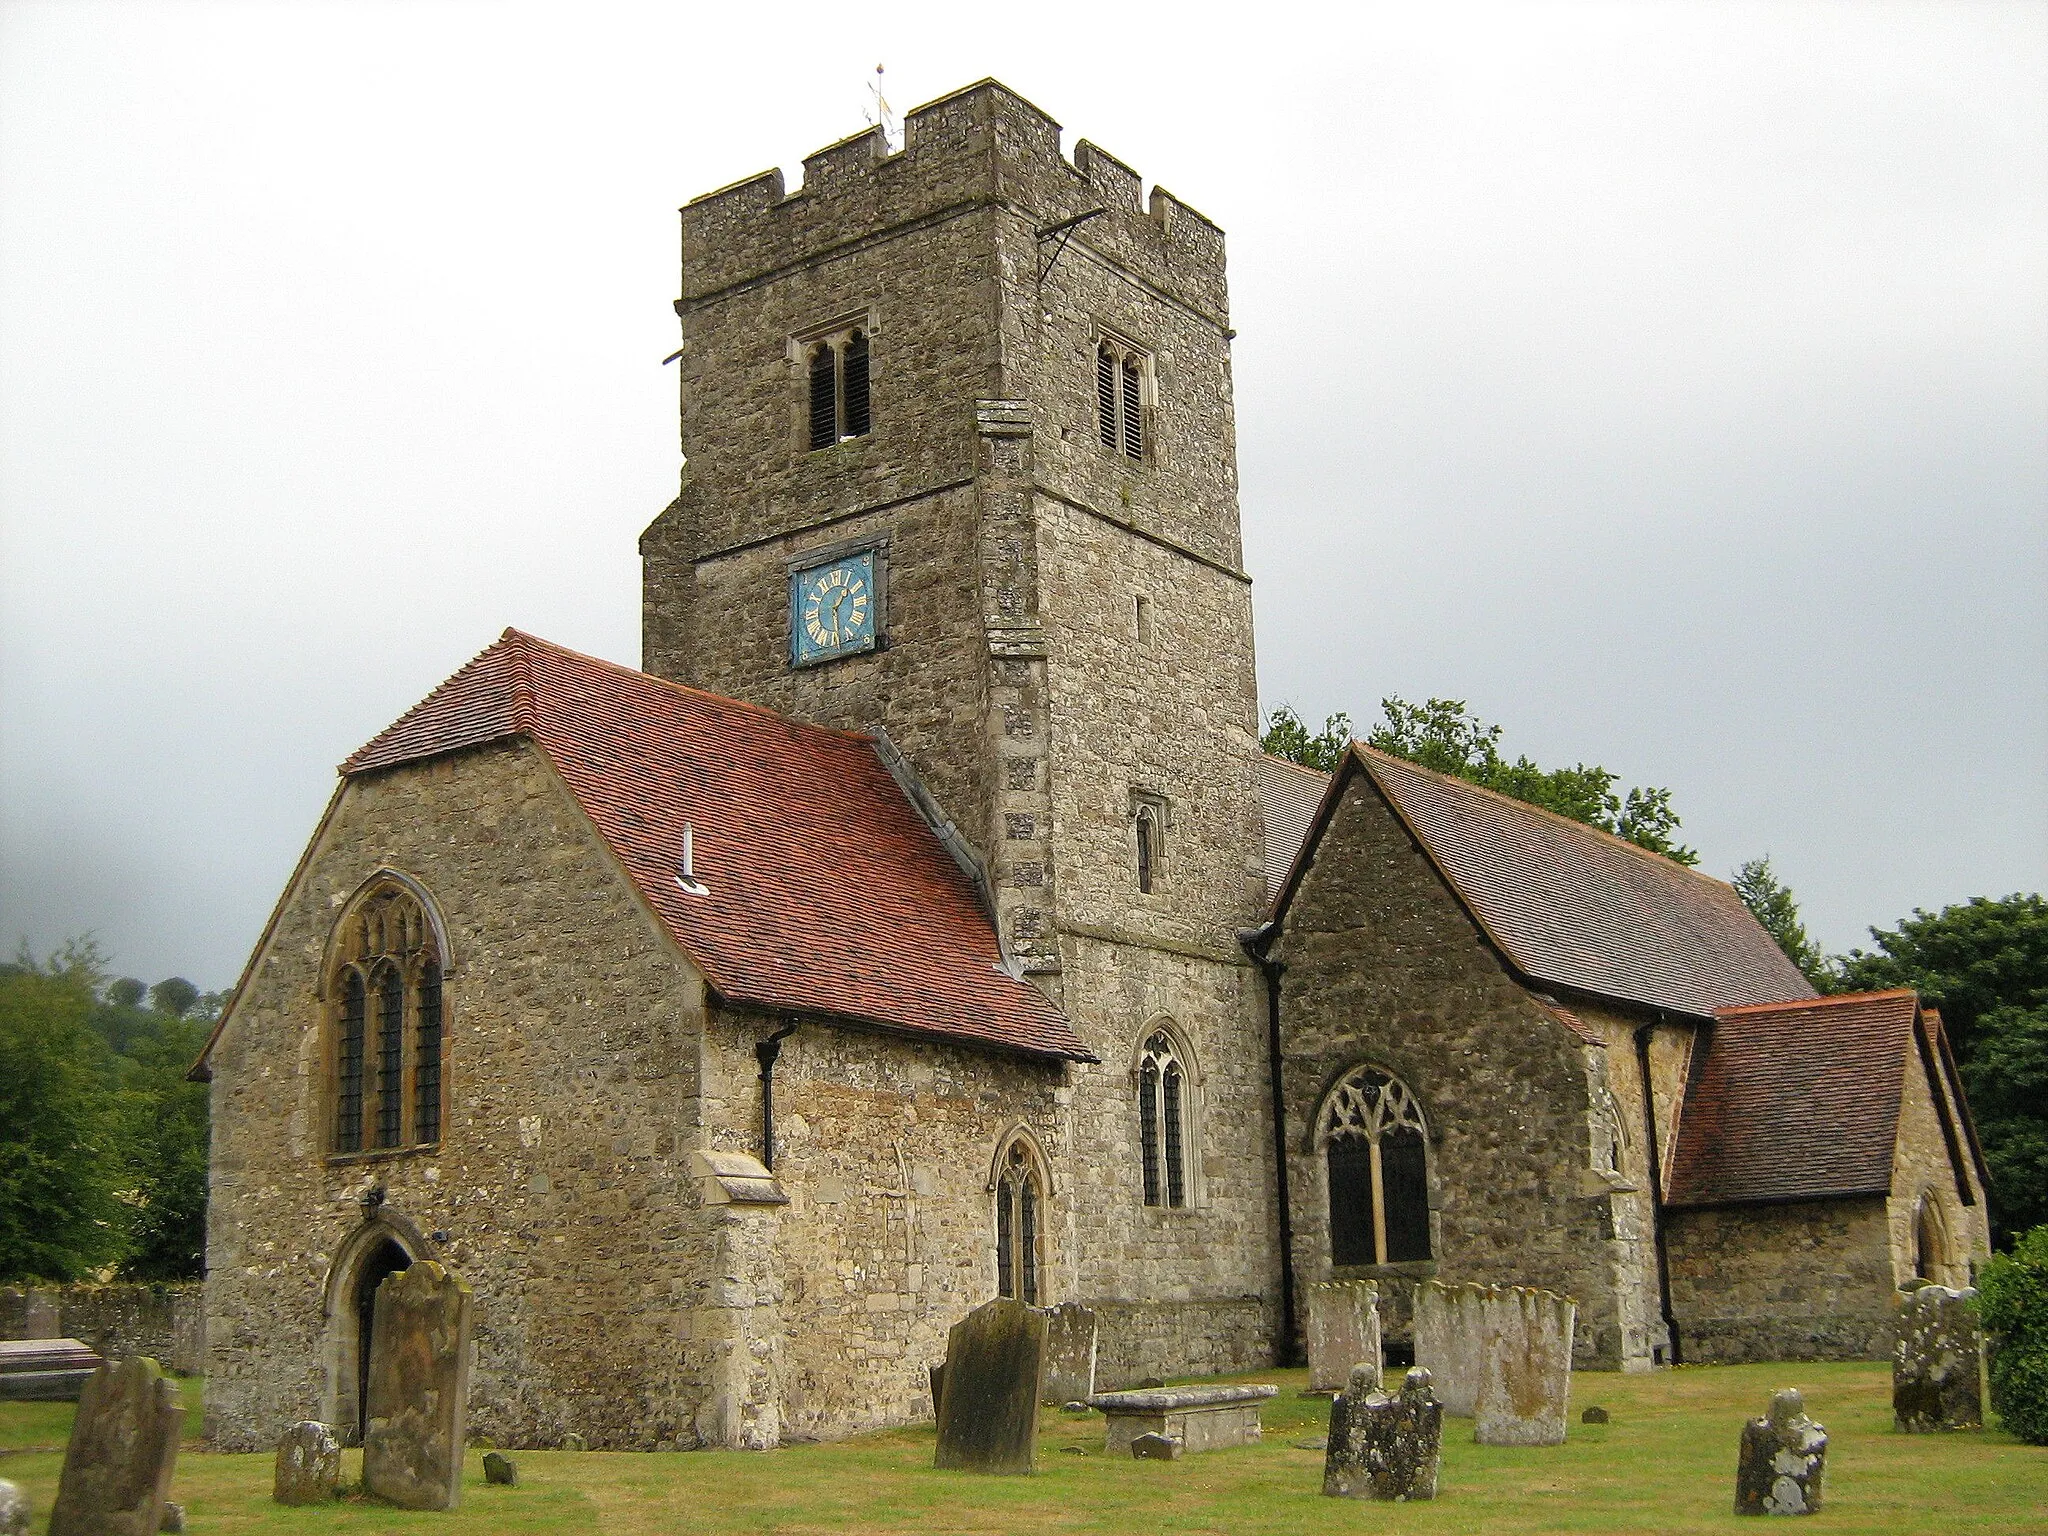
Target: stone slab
994 1379
1199 1418
1938 1361
124 1444
1782 1461
1342 1328
419 1388
1447 1335
43 1386
1384 1446
1070 1344
308 1466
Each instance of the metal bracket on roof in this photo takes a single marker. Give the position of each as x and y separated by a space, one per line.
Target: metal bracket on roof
962 851
1063 231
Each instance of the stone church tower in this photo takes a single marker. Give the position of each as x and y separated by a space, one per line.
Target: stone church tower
961 469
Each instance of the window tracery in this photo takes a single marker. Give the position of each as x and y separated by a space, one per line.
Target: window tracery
1020 1206
1162 1121
388 1040
1375 1146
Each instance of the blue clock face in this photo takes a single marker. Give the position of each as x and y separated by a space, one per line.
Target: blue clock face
832 609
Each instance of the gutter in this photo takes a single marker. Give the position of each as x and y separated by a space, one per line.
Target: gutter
1255 941
1657 1193
765 1052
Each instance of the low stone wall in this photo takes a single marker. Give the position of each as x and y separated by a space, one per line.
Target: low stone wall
1805 1281
1137 1340
165 1322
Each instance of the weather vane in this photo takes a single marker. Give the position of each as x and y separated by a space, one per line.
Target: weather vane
882 115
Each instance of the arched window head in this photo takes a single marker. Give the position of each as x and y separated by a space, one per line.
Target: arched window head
1375 1148
1930 1241
1149 824
387 1040
836 373
1163 1121
1148 846
1122 373
1020 1223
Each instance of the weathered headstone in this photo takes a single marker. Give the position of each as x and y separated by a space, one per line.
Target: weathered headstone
500 1468
1384 1446
1069 1353
124 1443
308 1464
1150 1447
174 1517
1938 1363
14 1510
995 1374
1525 1367
1594 1415
1784 1454
419 1388
1197 1418
1447 1333
1343 1329
42 1316
575 1442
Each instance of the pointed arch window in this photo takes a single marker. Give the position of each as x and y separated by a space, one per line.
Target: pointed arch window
1375 1148
1123 388
1020 1220
388 1041
1162 1121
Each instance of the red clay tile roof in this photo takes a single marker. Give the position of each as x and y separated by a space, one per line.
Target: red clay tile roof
1289 795
1579 908
829 893
1795 1101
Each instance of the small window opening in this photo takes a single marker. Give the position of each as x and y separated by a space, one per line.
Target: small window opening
1120 372
839 389
1144 620
1148 836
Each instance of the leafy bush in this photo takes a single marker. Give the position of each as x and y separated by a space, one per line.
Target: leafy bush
2014 1291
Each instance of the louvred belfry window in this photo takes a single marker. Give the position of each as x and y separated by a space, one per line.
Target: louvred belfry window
388 1040
1162 1122
1375 1150
1121 373
837 376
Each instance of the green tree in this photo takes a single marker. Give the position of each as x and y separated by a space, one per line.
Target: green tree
2014 1297
1772 904
128 992
1286 736
59 1167
173 995
1984 964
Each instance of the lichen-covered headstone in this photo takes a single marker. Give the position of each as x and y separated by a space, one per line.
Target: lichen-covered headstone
1343 1331
174 1517
1525 1366
500 1468
1151 1447
1070 1338
14 1510
995 1373
1938 1363
124 1443
419 1388
308 1464
1382 1445
1447 1333
1784 1454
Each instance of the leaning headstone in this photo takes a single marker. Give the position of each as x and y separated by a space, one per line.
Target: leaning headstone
995 1374
419 1388
1784 1454
1384 1446
308 1464
14 1510
1447 1330
124 1442
1069 1353
1155 1448
1525 1366
1343 1331
500 1468
1938 1363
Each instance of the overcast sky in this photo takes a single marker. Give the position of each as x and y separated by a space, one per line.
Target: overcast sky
1669 383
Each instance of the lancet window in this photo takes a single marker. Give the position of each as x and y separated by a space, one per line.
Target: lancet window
1163 1121
387 1041
1020 1222
1375 1147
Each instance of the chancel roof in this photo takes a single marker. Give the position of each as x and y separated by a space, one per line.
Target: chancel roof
827 891
1576 908
1796 1100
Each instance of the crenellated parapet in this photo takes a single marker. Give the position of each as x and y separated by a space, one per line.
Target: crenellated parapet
981 147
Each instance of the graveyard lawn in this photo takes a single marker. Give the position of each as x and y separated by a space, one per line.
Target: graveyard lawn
1665 1464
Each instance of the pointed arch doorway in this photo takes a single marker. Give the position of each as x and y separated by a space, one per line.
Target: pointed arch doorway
378 1249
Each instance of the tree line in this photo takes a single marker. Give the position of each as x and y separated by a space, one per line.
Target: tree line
102 1141
1983 962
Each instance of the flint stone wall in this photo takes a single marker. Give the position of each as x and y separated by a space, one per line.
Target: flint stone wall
167 1322
1807 1281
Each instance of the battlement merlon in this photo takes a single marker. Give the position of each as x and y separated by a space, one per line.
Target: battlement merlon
982 146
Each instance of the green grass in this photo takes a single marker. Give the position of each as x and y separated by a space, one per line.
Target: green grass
1665 1464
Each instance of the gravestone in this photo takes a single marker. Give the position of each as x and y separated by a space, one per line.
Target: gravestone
1343 1330
1196 1418
500 1468
574 1442
1069 1353
419 1388
174 1517
308 1464
1447 1333
1150 1447
937 1374
1938 1363
14 1510
1783 1456
42 1316
124 1442
995 1374
45 1370
1525 1366
1594 1415
1381 1445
